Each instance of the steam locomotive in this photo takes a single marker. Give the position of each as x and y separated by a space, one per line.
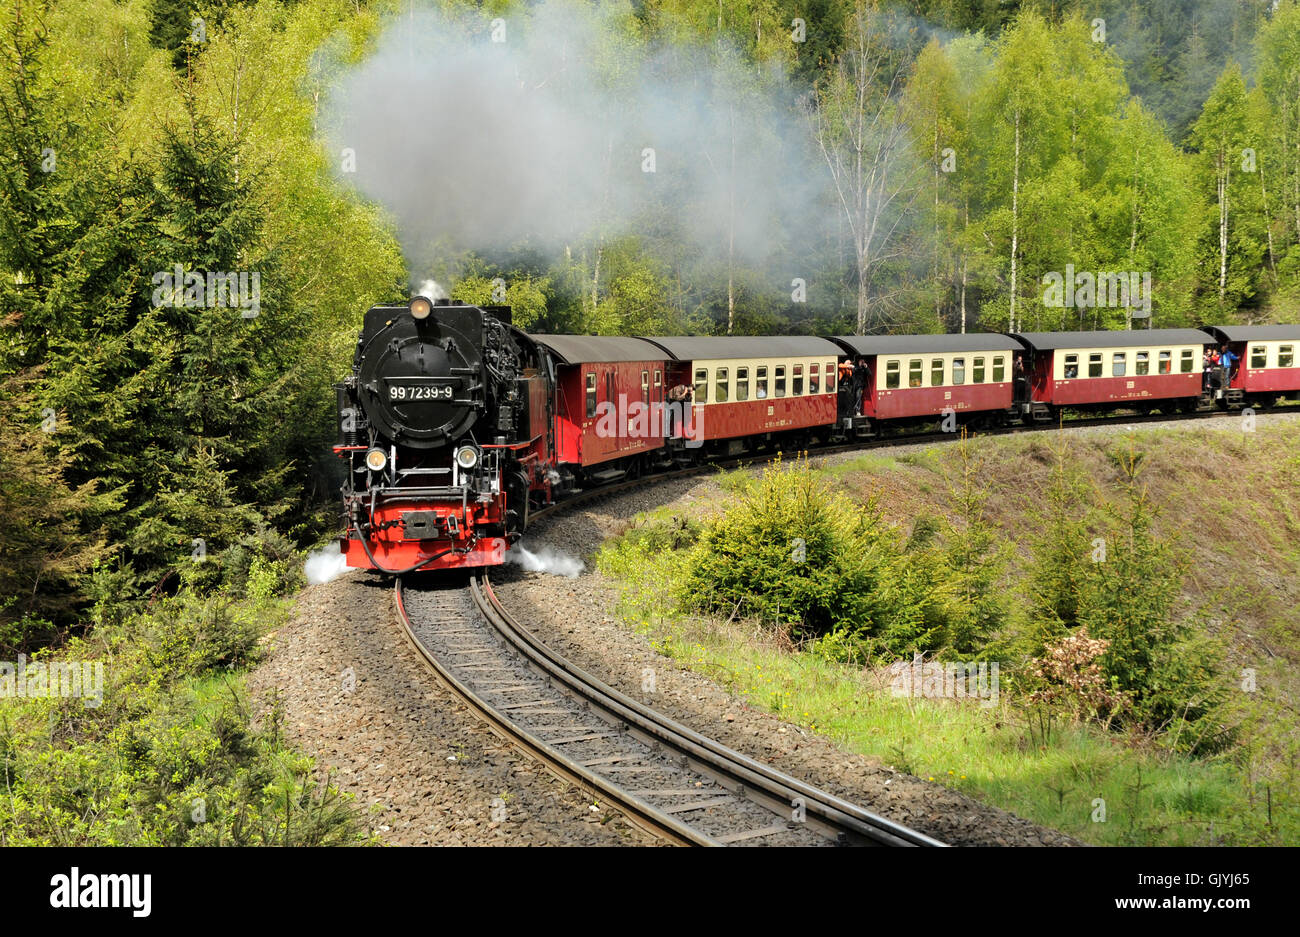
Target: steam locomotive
454 422
443 423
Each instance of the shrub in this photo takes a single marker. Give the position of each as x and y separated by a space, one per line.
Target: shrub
171 757
676 533
187 636
1068 680
1129 600
791 552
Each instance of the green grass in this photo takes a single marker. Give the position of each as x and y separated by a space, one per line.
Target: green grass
1068 780
867 464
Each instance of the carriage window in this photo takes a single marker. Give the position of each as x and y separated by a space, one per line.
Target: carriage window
796 379
814 384
830 377
936 372
701 385
659 378
645 387
1259 356
742 383
914 369
591 395
891 375
1166 362
977 375
779 376
1143 363
1189 361
760 383
1094 365
959 370
999 369
1071 367
722 385
1118 364
1286 356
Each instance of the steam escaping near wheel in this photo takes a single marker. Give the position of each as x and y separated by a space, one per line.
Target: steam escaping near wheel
325 565
546 560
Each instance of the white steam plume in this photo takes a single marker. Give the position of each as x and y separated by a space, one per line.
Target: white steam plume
432 289
545 560
545 138
325 564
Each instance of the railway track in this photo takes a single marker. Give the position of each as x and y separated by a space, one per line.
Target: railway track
663 776
666 778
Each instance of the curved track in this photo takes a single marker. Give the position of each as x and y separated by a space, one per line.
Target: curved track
666 778
663 776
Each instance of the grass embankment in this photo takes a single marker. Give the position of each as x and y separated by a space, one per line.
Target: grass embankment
158 746
1229 512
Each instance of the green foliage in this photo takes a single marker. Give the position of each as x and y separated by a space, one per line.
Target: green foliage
525 296
48 541
185 636
137 435
170 756
1232 237
679 532
1185 781
791 552
1061 552
975 560
174 422
1154 655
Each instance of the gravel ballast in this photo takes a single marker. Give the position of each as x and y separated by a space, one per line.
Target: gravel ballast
423 768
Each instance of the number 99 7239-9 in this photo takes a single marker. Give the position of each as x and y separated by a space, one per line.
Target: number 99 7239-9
430 392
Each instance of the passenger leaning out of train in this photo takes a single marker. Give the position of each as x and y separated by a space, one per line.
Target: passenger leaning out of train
1209 363
679 400
860 375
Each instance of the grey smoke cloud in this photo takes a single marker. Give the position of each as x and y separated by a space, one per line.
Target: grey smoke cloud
542 139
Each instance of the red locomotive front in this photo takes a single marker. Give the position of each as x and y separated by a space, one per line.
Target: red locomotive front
445 430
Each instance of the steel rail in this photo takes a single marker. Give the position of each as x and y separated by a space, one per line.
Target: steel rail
773 789
637 810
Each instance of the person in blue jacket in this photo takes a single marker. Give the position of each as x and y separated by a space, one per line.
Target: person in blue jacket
1226 360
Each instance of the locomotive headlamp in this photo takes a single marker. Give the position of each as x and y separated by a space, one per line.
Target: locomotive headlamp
420 307
377 459
467 457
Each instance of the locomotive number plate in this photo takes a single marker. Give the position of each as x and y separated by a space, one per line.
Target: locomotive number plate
420 392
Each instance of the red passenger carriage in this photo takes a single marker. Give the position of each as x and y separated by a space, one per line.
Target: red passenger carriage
751 392
1143 369
923 377
609 396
